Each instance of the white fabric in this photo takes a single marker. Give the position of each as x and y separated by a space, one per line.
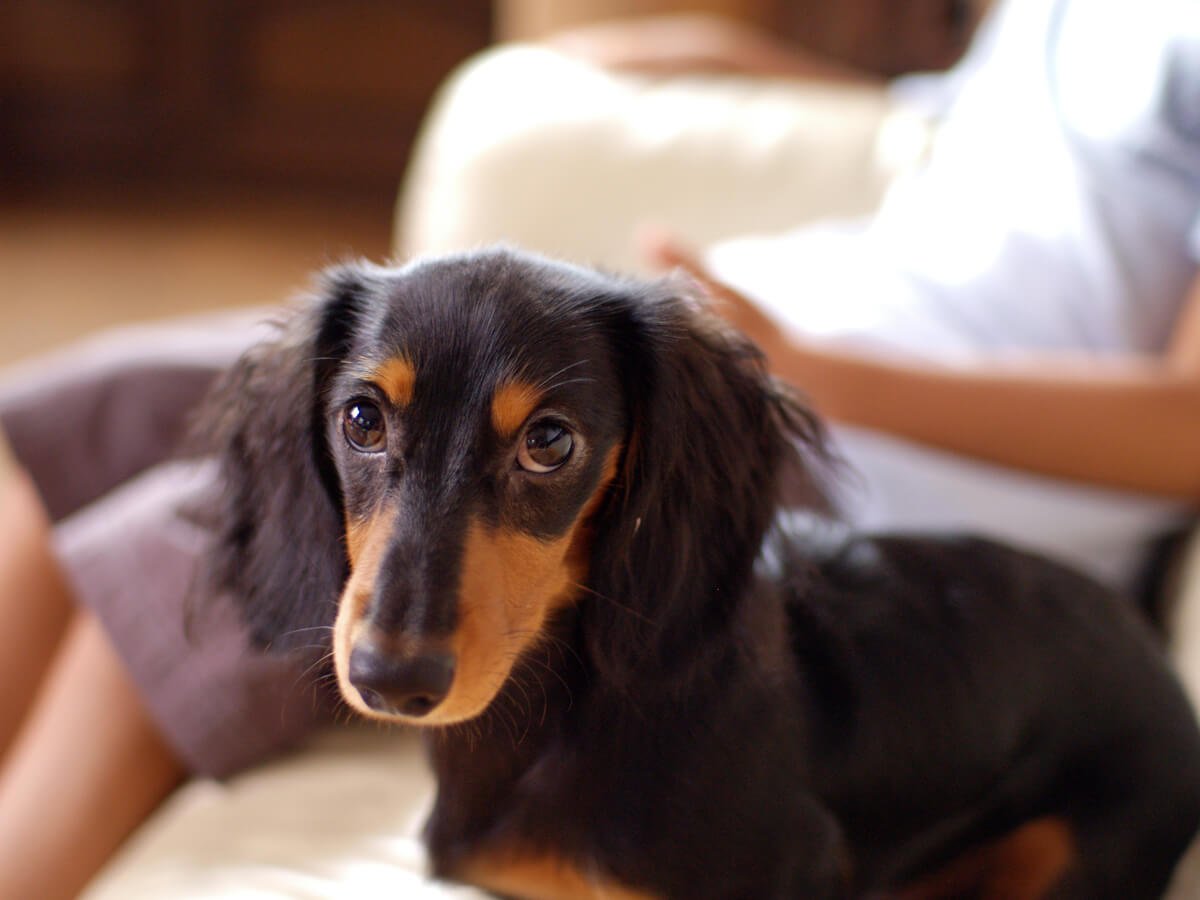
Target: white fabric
531 147
898 485
340 820
1054 214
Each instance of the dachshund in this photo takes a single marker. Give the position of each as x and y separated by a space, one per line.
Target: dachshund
543 510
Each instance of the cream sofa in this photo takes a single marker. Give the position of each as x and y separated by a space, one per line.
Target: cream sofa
572 173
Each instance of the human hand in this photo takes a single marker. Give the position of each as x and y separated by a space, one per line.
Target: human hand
817 368
665 251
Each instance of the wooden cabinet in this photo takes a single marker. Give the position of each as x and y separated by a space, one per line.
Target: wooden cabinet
326 93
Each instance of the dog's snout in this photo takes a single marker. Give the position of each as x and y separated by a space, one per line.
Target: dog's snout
409 684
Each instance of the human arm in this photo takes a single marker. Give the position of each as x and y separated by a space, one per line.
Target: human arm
1130 422
34 598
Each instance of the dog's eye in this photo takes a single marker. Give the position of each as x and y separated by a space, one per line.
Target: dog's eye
362 424
545 446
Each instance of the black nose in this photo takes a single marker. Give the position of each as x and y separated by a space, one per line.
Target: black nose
410 684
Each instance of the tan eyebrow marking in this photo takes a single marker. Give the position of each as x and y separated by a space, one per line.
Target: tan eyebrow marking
511 405
395 377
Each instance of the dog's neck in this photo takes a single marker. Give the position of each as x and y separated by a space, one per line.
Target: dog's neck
516 776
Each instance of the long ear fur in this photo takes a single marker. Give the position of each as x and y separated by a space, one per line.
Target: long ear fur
712 438
278 539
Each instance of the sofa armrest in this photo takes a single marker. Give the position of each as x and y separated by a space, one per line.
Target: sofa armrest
531 147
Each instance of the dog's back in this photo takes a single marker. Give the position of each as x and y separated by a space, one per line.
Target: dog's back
966 690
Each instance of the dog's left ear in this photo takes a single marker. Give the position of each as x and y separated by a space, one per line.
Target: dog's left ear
277 531
714 441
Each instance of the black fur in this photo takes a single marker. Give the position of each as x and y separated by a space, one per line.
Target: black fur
279 550
656 550
730 707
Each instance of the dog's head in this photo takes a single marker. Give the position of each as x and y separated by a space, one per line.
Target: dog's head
442 458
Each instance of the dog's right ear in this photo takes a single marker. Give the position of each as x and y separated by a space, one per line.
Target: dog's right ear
278 546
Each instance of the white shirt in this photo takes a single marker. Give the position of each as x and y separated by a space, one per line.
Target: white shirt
1057 212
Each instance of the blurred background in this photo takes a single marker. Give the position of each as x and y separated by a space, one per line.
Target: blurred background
169 156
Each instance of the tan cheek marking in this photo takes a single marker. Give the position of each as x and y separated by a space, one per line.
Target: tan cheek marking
544 878
396 378
357 533
581 531
510 585
366 542
511 405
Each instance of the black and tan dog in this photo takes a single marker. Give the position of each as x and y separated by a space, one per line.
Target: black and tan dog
544 507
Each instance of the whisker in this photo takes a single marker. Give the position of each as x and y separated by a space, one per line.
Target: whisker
295 631
523 664
316 664
619 605
562 384
562 646
561 680
541 386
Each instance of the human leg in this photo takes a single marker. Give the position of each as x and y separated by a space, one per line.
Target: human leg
127 707
223 703
72 426
82 764
94 731
34 599
88 766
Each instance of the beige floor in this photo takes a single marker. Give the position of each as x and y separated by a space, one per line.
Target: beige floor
70 265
